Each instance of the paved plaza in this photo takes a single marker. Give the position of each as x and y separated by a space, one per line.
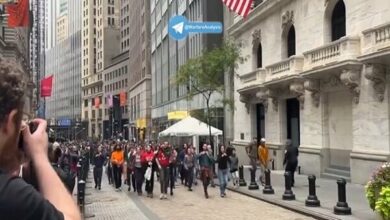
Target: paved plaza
108 204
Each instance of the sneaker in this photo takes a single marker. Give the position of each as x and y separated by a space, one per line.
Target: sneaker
165 196
171 193
161 196
222 195
189 189
99 187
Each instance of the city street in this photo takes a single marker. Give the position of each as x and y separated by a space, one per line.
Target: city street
108 204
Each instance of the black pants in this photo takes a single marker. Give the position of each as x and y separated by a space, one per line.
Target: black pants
190 177
117 171
139 178
97 176
149 184
130 179
172 176
109 175
164 179
291 167
183 175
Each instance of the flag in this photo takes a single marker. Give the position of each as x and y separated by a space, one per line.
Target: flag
122 99
18 14
97 102
241 7
109 100
46 86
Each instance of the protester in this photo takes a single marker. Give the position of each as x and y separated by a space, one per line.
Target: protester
117 160
233 161
182 171
211 155
131 169
172 167
19 200
264 159
98 169
189 164
139 171
148 156
162 161
223 160
291 160
251 151
205 164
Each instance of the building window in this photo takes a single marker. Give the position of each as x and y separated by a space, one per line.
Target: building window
338 21
291 41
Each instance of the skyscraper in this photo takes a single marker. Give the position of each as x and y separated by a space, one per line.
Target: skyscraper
167 55
63 61
100 26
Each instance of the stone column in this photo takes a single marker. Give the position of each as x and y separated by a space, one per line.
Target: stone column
312 152
274 128
370 123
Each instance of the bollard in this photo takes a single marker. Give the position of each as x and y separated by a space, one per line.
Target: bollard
268 187
253 185
341 207
299 170
312 200
81 195
288 193
241 175
78 171
273 164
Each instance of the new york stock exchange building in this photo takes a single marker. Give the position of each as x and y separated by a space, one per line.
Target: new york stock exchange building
318 73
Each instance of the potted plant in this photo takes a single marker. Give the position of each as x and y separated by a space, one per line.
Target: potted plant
378 191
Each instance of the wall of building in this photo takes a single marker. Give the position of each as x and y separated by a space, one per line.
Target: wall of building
339 131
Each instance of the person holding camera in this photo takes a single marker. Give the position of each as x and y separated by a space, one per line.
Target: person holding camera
18 199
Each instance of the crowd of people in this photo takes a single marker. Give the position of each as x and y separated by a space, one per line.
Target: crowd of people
138 165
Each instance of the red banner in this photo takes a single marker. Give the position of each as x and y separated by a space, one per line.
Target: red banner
18 14
46 86
122 99
97 102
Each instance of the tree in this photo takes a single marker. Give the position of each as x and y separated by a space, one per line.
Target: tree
205 74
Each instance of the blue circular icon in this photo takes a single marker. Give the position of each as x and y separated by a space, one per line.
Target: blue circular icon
176 27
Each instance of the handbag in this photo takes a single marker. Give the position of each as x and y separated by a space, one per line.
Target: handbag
148 173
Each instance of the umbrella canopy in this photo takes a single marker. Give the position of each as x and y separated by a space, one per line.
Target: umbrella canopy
190 127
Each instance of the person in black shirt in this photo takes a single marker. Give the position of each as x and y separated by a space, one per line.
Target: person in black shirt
223 160
98 169
291 159
18 199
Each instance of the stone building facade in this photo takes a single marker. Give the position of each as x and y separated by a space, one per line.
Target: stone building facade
317 73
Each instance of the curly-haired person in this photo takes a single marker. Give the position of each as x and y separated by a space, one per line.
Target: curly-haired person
18 199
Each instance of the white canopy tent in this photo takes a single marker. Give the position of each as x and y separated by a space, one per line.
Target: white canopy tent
190 127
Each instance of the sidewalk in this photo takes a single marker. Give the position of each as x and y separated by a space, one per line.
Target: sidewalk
326 193
109 204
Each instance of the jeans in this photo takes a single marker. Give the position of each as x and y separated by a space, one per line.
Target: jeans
149 184
97 176
139 178
172 176
223 180
164 179
117 171
190 176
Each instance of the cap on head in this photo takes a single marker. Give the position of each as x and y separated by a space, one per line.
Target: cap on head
262 140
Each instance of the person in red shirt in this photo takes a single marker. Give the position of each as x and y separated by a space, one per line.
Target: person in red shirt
162 161
148 160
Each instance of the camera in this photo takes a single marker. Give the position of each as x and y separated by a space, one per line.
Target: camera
33 128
